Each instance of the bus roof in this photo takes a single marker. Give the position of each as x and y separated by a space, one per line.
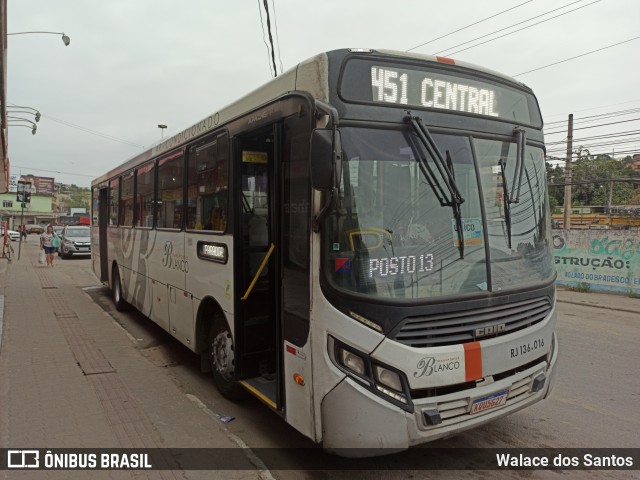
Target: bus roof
312 73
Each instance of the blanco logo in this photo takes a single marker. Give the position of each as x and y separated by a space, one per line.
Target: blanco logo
23 459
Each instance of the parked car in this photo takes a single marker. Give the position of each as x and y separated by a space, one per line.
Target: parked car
35 228
76 240
12 234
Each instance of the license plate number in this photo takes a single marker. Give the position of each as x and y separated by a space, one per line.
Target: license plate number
490 401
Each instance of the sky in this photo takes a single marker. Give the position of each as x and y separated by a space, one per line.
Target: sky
132 65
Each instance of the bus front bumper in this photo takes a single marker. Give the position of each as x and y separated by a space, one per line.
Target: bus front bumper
358 423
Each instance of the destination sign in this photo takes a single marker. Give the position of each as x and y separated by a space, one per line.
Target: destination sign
411 87
215 252
435 87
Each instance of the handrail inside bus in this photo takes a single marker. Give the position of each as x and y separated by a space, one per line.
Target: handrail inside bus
255 278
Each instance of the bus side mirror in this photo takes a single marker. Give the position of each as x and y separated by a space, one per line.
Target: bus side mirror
325 158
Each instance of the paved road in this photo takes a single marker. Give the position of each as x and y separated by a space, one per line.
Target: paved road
594 403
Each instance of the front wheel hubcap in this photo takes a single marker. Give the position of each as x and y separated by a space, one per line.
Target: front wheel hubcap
222 354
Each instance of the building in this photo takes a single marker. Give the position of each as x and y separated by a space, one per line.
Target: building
40 209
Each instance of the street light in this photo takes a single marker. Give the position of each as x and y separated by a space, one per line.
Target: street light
33 126
33 129
19 107
65 39
162 127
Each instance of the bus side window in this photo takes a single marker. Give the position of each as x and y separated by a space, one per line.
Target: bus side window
169 201
126 200
144 195
208 181
114 200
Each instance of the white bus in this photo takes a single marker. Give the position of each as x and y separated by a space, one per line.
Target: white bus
363 243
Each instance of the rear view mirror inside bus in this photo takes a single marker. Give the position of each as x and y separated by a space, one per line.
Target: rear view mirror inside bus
322 159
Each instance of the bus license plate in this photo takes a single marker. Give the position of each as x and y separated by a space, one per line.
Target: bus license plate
490 401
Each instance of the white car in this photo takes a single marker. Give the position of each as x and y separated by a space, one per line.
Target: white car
12 234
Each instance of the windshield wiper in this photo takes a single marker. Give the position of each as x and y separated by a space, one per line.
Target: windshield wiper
506 203
446 172
512 195
517 174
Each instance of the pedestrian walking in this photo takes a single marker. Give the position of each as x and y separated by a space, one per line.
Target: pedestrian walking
23 232
47 244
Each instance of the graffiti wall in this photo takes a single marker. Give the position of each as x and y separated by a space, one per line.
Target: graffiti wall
606 260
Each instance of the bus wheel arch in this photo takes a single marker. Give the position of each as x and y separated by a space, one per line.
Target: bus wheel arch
216 348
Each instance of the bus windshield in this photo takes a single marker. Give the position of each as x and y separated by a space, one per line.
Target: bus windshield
393 234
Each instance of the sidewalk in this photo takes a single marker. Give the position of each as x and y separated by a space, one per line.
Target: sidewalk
71 378
607 301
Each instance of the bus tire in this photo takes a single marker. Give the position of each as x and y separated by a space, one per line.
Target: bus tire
116 290
220 351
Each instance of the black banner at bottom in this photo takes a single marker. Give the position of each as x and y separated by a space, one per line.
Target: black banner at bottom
317 459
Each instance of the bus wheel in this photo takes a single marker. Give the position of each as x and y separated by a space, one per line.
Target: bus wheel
116 290
221 358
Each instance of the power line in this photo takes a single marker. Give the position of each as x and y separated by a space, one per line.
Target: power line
264 39
595 126
598 137
590 146
273 56
553 115
87 130
577 56
275 23
520 29
593 118
507 28
470 25
600 151
92 132
53 171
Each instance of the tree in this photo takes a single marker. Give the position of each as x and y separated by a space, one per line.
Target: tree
555 175
591 176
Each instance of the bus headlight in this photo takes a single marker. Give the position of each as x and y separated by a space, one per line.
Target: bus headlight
352 361
383 380
388 378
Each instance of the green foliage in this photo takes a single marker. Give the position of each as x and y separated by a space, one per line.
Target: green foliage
74 196
590 176
599 169
555 175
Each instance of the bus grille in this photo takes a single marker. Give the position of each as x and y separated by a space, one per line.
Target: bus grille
456 327
454 411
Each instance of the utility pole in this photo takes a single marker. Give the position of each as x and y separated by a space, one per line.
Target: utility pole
613 157
567 176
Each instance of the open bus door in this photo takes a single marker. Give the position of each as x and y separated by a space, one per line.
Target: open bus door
272 266
257 321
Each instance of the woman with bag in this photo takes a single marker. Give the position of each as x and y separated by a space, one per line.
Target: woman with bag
48 242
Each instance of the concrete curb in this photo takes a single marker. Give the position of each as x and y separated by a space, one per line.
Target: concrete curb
597 305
